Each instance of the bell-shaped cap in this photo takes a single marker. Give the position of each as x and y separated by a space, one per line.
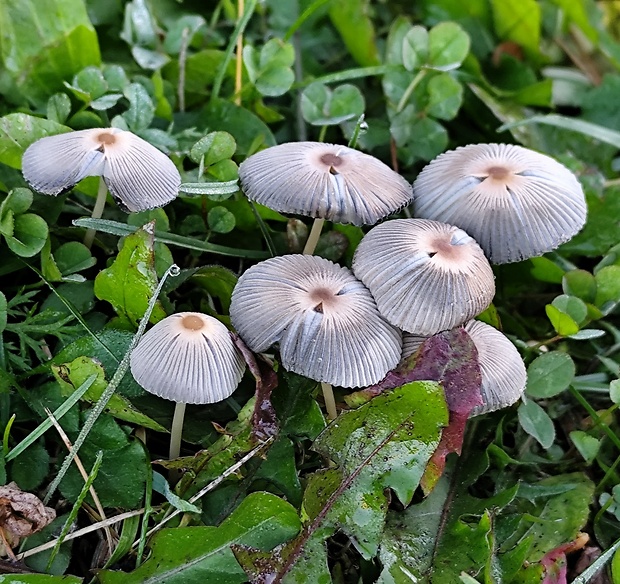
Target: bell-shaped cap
324 181
188 357
137 174
501 368
425 276
516 203
324 319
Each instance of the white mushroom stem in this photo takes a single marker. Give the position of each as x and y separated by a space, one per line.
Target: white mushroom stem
313 238
330 402
102 194
176 433
328 393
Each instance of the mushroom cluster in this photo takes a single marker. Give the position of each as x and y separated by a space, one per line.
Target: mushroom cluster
426 275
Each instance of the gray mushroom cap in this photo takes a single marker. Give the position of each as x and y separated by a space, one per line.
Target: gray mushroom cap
515 202
188 357
425 276
324 181
136 173
325 321
502 370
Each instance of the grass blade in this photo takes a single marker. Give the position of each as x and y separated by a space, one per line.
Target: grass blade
121 229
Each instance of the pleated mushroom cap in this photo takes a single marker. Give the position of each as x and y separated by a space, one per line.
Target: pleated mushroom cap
188 357
425 276
324 181
502 370
136 173
324 319
515 202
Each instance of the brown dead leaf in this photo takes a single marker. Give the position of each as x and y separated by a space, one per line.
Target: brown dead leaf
21 515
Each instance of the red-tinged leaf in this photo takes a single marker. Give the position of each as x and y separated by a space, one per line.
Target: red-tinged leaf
264 422
451 441
451 359
554 561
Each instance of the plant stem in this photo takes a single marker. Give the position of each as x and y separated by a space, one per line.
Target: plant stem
322 134
176 433
414 83
356 133
239 63
182 62
330 402
102 193
313 238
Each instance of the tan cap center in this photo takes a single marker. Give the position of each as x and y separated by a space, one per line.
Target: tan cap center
321 297
498 172
192 322
106 138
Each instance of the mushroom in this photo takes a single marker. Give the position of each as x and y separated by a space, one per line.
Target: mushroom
425 276
137 174
325 321
502 370
515 202
189 358
324 181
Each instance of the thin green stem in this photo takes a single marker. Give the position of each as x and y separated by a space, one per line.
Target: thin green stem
173 270
356 132
322 133
232 43
410 89
307 13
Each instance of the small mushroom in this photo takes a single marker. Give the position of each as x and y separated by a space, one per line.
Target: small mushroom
515 202
189 358
324 319
425 276
138 175
502 370
324 181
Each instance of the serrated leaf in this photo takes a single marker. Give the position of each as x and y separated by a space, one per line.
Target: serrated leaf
130 281
71 375
449 533
386 443
195 555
